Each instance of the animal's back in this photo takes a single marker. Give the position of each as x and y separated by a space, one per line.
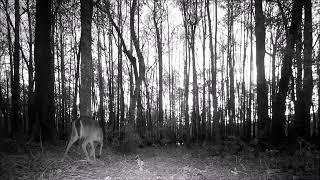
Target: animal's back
91 129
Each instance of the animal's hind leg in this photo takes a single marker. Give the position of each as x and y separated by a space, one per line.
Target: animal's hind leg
84 148
93 151
101 145
72 140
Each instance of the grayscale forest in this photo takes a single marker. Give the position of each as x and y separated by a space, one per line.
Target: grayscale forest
160 89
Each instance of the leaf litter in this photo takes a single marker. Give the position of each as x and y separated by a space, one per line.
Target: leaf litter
167 162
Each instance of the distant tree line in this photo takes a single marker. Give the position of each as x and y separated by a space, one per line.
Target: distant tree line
116 61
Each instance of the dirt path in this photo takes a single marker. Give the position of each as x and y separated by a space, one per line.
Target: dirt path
152 163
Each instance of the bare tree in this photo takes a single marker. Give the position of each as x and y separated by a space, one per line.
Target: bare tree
157 22
100 79
30 66
86 58
262 91
120 74
16 72
303 122
250 98
139 76
278 108
42 54
63 76
204 34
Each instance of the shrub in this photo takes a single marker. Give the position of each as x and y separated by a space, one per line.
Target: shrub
130 141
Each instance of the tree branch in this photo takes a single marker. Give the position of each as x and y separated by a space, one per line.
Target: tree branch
132 59
11 25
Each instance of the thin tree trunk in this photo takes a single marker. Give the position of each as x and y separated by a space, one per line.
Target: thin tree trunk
248 133
318 71
157 21
231 100
132 59
30 72
186 77
304 130
243 88
223 110
213 60
196 114
63 78
77 73
120 76
101 83
273 64
209 116
298 104
16 73
112 117
191 11
51 76
204 32
171 74
214 78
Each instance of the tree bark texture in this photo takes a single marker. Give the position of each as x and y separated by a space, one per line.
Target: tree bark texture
279 108
86 58
262 90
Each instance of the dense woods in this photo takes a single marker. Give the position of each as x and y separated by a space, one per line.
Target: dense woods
158 72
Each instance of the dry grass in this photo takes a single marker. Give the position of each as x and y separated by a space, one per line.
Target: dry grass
170 162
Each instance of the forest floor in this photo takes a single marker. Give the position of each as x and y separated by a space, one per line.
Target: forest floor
167 162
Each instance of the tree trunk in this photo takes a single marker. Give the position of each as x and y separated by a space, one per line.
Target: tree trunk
120 66
42 54
231 99
186 76
273 65
16 126
318 71
298 102
63 78
243 108
30 71
279 108
213 60
158 22
304 122
262 90
74 103
136 43
51 76
204 33
112 118
101 83
86 58
214 79
133 97
3 127
249 110
195 108
186 97
171 74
